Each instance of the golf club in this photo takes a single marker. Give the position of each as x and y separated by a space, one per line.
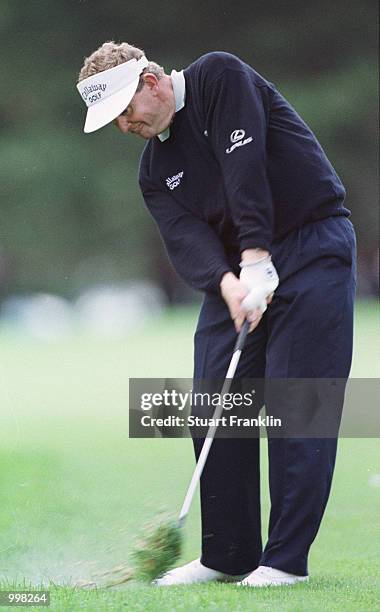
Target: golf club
161 545
212 429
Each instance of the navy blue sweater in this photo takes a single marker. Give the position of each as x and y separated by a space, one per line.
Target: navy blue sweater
240 170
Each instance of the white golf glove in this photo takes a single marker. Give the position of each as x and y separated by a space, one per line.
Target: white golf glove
260 279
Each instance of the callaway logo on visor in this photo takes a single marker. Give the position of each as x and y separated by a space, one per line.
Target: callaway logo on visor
109 92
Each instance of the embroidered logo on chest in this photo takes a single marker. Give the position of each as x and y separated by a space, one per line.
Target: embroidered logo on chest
173 181
238 140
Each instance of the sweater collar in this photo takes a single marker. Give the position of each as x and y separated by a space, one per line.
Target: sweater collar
179 89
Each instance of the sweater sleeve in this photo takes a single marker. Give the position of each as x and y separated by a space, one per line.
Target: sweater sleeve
194 249
237 126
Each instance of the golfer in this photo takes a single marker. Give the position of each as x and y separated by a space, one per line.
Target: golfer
252 214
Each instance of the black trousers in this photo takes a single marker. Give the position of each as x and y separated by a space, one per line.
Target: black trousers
305 333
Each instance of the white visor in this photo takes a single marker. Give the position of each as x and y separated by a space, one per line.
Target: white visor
108 93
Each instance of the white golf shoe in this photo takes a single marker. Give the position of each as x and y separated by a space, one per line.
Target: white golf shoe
192 573
269 576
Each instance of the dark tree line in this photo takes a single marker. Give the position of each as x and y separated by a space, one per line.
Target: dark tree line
70 204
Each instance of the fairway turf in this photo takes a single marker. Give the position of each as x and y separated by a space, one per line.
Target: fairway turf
75 491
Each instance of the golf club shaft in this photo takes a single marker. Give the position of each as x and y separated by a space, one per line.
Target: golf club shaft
212 429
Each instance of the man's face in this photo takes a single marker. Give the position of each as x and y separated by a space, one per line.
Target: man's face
148 113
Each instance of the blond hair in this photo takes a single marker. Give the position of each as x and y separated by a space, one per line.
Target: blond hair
111 54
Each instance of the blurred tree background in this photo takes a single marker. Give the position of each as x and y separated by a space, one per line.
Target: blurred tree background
71 211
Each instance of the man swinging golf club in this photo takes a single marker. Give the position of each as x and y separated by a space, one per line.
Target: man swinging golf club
243 195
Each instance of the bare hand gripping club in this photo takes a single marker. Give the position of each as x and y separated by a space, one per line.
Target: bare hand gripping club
212 429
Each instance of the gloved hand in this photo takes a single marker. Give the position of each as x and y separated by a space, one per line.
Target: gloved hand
260 279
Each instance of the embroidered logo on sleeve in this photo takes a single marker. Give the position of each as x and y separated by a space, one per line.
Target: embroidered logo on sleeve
238 140
173 181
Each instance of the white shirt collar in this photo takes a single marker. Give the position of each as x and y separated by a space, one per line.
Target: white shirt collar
179 89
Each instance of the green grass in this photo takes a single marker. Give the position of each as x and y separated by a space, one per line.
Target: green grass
75 490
